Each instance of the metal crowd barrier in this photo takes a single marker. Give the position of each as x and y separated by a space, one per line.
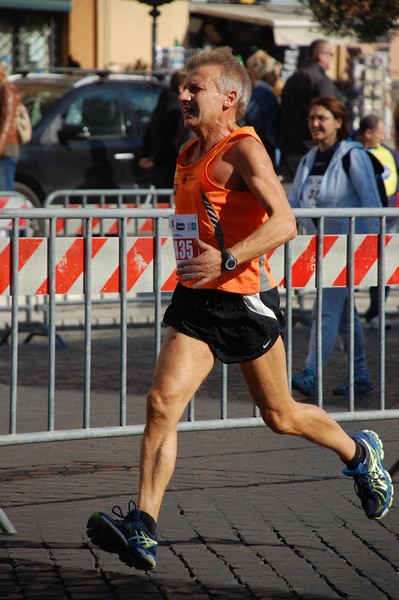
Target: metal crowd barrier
128 265
149 197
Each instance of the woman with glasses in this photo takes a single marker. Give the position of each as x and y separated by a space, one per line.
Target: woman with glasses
325 180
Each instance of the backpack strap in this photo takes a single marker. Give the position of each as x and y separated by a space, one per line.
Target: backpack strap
346 161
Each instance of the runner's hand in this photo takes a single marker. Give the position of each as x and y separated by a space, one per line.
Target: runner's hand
203 268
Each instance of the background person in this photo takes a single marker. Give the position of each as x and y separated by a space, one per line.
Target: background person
306 83
164 135
321 182
226 306
9 143
263 110
372 134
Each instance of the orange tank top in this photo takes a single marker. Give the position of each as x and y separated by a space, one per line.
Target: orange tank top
225 217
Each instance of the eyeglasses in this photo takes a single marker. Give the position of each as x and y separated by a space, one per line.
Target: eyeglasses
319 118
327 52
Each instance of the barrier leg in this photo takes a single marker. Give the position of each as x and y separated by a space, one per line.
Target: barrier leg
5 524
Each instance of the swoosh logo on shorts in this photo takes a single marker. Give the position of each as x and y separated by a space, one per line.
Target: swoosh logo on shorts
266 345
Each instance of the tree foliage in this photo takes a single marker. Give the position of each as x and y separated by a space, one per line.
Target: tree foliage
366 20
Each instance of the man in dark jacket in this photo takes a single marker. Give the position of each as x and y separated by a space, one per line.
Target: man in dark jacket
305 84
164 135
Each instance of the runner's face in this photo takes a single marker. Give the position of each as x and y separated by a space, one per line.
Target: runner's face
201 102
323 126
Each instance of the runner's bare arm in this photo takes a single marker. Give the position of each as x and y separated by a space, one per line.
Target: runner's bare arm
251 161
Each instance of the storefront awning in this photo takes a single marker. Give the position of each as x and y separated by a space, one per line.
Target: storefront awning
47 5
291 26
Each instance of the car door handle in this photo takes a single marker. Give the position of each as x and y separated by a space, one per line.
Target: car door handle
124 156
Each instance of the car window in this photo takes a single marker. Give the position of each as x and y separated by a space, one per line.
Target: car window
141 102
40 104
99 110
39 100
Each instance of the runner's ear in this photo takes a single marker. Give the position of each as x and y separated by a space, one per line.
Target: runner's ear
230 99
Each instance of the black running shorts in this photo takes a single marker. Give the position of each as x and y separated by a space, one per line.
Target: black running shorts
237 328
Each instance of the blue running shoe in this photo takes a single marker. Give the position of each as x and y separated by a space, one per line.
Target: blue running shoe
305 382
128 537
361 385
373 483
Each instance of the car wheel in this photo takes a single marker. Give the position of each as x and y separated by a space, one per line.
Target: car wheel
37 225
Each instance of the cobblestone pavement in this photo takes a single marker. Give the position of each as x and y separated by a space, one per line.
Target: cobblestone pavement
247 515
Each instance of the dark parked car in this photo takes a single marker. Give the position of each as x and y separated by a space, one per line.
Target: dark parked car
87 131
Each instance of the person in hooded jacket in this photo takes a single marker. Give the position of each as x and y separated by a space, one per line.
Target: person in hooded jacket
321 181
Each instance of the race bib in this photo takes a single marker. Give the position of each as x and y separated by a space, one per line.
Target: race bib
311 191
184 232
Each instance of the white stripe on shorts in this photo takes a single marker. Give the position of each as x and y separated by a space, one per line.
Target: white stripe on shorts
254 303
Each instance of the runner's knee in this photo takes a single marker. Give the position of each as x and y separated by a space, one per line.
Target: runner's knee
161 405
281 422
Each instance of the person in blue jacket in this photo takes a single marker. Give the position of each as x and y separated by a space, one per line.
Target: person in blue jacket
263 110
322 182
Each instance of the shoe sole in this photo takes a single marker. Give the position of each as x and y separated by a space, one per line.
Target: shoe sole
382 454
107 538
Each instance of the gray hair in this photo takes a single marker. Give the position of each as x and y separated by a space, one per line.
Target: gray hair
232 73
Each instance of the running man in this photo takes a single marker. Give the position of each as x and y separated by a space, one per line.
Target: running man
226 306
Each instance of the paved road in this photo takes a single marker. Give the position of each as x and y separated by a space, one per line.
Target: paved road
248 514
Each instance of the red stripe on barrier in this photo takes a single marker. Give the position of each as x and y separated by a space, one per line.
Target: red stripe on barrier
170 283
5 269
304 267
394 278
365 257
139 257
59 226
27 247
114 229
71 266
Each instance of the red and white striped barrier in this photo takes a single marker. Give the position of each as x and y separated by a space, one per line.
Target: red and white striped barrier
105 269
335 273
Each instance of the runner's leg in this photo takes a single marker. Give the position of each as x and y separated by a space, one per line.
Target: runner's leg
182 365
266 378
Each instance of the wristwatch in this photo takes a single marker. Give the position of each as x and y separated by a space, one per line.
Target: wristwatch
229 262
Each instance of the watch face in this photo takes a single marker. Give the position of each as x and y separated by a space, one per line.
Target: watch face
230 262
